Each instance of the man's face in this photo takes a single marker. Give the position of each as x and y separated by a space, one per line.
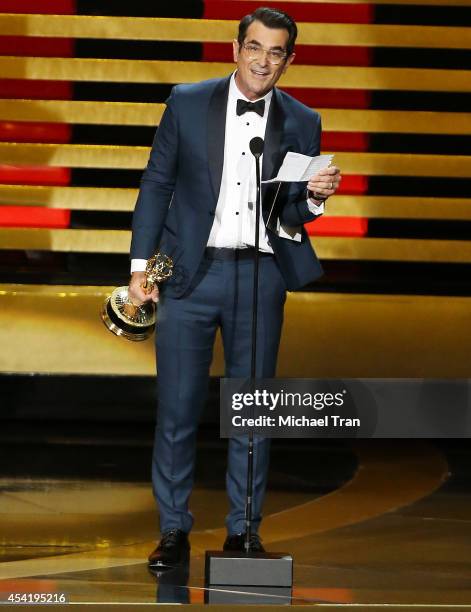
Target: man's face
255 77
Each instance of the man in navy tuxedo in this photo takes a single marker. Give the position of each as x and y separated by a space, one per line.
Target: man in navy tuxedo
197 205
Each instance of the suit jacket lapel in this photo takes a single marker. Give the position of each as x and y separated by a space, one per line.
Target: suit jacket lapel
273 136
272 156
216 133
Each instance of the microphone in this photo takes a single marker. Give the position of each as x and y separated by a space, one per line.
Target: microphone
256 146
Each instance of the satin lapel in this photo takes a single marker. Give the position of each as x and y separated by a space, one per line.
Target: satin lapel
273 136
216 133
271 153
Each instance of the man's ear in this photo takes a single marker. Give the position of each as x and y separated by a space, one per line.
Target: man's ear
235 50
289 61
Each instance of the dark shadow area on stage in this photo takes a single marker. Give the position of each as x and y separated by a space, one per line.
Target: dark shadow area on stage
118 451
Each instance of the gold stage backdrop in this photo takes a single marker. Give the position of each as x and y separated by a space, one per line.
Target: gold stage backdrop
56 329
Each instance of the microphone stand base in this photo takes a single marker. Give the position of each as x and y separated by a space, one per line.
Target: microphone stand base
232 577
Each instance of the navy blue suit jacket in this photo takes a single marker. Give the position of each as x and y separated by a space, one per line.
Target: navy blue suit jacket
180 186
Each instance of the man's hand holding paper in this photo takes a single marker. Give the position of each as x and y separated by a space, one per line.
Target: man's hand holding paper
322 178
325 183
322 182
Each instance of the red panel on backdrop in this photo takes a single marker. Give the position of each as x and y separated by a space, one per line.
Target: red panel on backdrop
301 11
36 46
34 175
330 98
28 131
33 216
18 216
353 184
35 90
353 227
333 56
51 7
345 141
310 55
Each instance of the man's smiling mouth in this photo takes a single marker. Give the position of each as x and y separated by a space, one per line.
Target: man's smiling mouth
259 73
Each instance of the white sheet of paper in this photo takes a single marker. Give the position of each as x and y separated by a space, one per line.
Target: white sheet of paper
297 167
290 233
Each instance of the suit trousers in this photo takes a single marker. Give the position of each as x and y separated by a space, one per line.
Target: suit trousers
220 297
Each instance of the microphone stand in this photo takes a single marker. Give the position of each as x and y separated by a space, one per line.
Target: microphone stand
256 147
224 573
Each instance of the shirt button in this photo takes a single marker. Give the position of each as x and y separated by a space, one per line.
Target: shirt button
243 152
247 123
237 213
238 183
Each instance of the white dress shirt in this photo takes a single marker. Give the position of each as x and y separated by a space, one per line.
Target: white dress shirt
234 219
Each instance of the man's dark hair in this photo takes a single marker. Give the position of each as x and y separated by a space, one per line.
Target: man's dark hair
271 18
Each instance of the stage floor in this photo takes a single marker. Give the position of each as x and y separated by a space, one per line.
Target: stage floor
369 523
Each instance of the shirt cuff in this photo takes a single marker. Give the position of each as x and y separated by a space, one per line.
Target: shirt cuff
315 209
138 265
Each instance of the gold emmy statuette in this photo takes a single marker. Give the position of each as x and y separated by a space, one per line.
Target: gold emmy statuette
124 318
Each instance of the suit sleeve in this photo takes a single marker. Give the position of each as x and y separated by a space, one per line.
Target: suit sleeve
157 185
296 211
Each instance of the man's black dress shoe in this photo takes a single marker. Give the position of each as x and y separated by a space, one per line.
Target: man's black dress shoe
173 549
236 543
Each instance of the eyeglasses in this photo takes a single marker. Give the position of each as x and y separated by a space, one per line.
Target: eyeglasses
255 52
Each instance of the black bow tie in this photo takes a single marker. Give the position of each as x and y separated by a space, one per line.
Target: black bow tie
244 107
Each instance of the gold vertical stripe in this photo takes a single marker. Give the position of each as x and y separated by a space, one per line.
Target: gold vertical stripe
146 71
213 30
115 156
393 249
393 207
138 113
129 28
118 241
74 156
404 164
66 240
58 329
120 199
74 198
77 111
405 122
